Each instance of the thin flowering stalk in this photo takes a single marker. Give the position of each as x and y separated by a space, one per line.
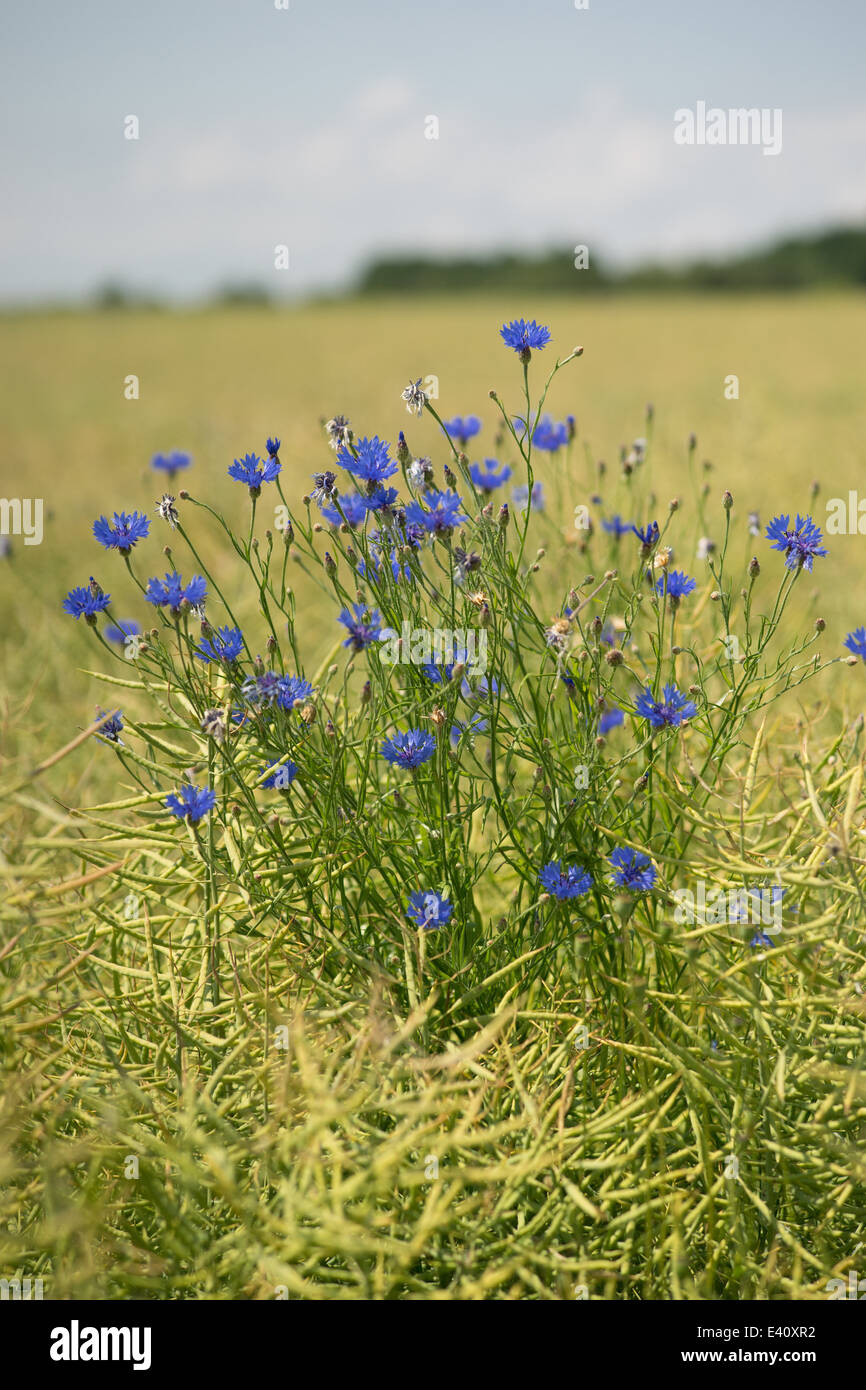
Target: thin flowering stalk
526 452
786 587
211 581
265 588
133 576
455 453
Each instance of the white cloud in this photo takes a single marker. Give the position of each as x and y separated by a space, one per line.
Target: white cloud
361 176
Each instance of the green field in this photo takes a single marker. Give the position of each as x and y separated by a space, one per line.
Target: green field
216 382
244 1085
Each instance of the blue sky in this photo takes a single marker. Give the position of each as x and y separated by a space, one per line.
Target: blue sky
261 127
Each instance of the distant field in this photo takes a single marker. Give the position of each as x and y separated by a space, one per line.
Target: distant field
216 383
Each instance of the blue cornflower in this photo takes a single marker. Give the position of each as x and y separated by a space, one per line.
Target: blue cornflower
487 686
754 902
761 939
440 516
520 425
86 602
463 429
409 750
171 463
426 909
673 709
523 336
325 486
373 571
476 725
112 727
354 508
549 435
648 536
382 499
800 545
633 870
270 689
490 476
610 719
254 471
119 631
856 642
439 675
676 584
565 882
363 625
191 802
272 448
520 494
122 536
225 644
173 592
262 691
414 533
616 526
371 464
453 654
292 690
483 690
282 775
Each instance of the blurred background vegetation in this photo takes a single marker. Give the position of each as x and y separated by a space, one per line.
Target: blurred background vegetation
833 258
